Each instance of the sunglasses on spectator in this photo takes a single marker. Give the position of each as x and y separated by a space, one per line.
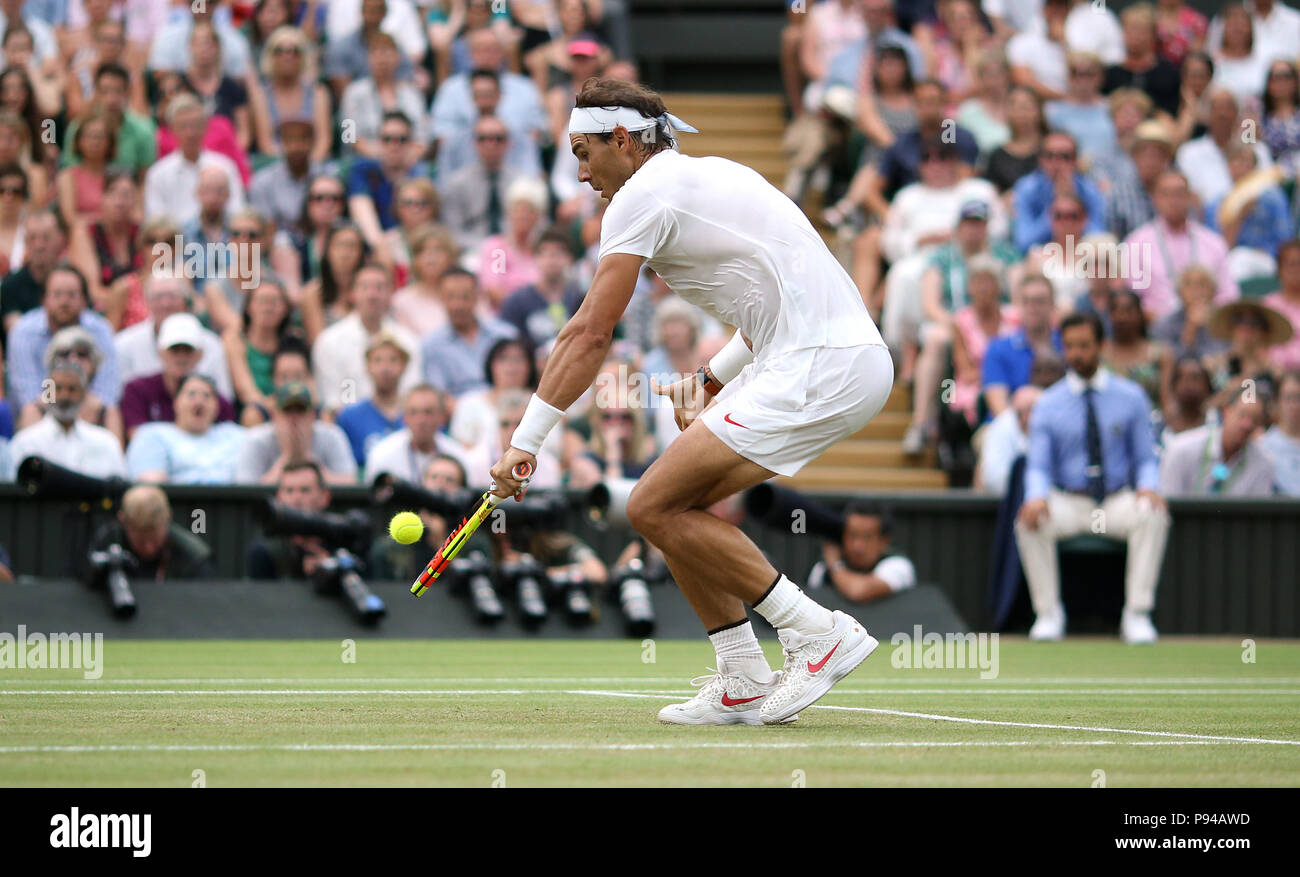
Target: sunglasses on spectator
1059 156
81 350
287 50
395 138
1067 215
13 190
1084 71
326 196
244 233
494 138
1286 71
509 424
616 415
414 202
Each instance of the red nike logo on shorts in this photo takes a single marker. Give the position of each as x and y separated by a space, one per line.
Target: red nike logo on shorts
728 701
816 668
727 417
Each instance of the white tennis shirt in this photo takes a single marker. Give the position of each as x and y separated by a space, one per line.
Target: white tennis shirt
726 240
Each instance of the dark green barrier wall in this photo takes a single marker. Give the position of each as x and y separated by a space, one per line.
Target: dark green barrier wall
1232 566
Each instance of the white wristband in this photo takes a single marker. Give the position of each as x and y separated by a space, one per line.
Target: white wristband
731 359
538 420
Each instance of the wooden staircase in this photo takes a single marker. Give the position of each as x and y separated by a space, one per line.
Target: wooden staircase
748 129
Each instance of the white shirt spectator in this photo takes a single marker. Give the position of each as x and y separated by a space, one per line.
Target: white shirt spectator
1020 15
476 418
137 356
339 356
1206 168
1093 28
894 570
170 47
393 455
1003 442
1285 452
919 210
1276 35
171 185
402 23
1044 58
44 43
85 448
1244 77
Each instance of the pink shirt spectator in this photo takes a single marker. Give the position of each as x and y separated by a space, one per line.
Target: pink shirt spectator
831 28
1287 356
1174 40
1167 253
965 394
502 269
418 312
220 137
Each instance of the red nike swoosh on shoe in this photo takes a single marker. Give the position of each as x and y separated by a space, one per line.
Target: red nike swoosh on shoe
727 417
728 701
816 668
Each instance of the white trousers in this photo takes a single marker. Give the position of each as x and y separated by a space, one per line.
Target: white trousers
1123 516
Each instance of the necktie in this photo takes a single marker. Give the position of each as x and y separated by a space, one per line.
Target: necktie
1095 472
494 204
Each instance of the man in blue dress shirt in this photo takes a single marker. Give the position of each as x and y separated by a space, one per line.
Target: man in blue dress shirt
1091 467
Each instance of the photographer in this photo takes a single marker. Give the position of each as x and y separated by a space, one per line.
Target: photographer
302 487
859 566
391 560
160 549
572 568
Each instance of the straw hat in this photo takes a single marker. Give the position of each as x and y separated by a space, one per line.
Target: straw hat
1225 317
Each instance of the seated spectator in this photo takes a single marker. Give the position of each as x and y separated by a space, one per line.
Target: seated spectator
328 299
457 147
43 240
404 454
1179 29
378 416
474 197
509 411
1131 354
350 25
209 231
152 398
289 99
1224 459
1285 301
62 437
392 560
1187 330
74 342
169 47
369 99
171 185
973 329
301 486
1175 242
621 444
1018 156
540 309
279 190
1058 173
986 112
416 207
510 366
221 95
1282 441
239 269
339 352
1090 449
1083 113
454 357
1037 51
81 185
1130 202
299 250
373 182
219 135
251 348
162 549
294 435
861 566
1126 111
1005 439
1251 329
418 305
1281 117
137 346
108 250
1009 361
1057 258
1194 112
65 303
1188 397
1106 282
194 449
16 148
1142 67
1254 217
1204 161
13 210
1239 53
134 135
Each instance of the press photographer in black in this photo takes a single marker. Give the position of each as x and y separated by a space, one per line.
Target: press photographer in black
302 487
392 560
158 548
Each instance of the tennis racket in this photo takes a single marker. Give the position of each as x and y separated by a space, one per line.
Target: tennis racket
447 553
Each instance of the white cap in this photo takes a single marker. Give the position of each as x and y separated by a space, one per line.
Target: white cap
180 329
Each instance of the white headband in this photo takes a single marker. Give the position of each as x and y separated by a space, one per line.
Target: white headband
603 120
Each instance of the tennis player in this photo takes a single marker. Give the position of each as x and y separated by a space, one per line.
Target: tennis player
806 368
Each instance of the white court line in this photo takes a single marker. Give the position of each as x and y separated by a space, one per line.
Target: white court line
437 692
1089 680
583 747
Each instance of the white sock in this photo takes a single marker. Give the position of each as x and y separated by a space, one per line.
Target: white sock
786 605
738 651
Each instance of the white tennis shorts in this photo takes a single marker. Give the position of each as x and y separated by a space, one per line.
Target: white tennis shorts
785 412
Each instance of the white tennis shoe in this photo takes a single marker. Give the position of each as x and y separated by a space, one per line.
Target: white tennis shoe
814 664
723 699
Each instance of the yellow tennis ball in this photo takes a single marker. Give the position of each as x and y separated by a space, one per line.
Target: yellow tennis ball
406 527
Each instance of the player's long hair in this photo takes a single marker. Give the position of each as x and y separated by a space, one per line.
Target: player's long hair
605 92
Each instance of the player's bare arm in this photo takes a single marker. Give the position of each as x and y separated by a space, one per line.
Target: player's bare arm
579 351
